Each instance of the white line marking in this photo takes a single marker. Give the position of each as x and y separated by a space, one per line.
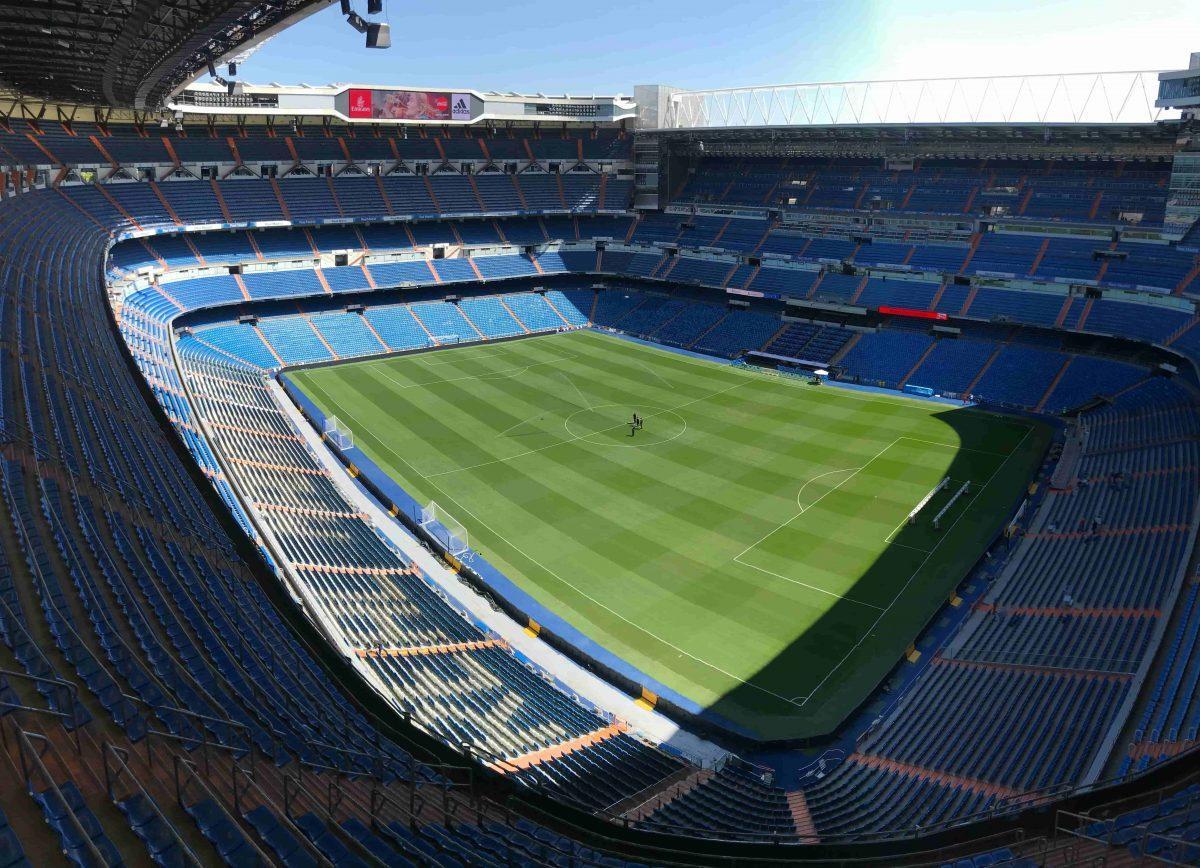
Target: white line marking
910 548
804 509
920 566
656 374
586 403
661 412
958 447
888 538
463 354
518 425
954 483
744 376
806 585
581 592
821 476
574 439
836 392
611 611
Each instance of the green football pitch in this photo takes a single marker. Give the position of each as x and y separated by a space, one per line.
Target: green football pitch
749 547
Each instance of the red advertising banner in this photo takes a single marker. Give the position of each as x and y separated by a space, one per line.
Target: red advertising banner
360 102
911 312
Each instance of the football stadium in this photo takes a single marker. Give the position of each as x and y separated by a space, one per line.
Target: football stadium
792 474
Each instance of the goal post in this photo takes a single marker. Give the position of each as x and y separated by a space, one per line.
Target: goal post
445 529
965 488
338 434
912 516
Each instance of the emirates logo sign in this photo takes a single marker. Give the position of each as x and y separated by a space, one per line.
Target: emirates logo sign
360 103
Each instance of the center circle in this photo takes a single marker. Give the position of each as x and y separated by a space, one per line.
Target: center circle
611 425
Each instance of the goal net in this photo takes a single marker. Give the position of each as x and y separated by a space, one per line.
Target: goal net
444 528
338 434
447 339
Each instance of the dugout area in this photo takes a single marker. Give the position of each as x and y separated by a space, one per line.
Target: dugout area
748 548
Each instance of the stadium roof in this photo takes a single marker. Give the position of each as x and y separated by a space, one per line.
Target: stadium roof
952 141
1073 98
127 53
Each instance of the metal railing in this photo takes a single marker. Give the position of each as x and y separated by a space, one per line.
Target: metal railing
1092 97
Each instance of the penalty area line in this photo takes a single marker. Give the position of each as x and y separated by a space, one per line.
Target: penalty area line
904 588
806 585
510 544
853 471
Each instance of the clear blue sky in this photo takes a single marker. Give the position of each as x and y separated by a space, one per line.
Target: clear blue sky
608 47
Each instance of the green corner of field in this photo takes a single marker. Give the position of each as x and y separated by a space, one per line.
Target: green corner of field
748 546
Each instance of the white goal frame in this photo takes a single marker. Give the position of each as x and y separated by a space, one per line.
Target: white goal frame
337 433
965 488
445 529
912 516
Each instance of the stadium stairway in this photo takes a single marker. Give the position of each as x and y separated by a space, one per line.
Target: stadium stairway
806 830
642 804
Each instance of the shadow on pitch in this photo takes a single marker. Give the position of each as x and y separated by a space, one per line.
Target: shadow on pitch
852 648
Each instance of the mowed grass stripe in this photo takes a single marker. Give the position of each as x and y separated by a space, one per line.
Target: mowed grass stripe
657 593
636 546
705 676
460 403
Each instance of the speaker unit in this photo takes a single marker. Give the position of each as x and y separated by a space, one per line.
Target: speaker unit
379 36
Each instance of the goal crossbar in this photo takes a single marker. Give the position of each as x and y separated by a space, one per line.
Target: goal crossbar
912 516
